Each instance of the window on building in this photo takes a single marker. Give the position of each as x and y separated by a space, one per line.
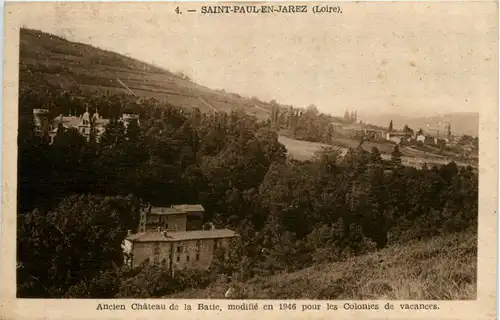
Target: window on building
187 258
166 225
197 256
178 259
179 249
198 245
215 244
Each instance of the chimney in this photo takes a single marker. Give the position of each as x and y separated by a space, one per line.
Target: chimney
129 232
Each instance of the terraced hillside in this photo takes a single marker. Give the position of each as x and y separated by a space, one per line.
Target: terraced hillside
48 59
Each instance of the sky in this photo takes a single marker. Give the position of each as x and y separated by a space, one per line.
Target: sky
418 58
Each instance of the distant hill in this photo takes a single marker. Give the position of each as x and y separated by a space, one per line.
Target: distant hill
51 60
461 122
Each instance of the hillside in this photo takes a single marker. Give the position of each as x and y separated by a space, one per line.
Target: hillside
461 122
442 268
48 59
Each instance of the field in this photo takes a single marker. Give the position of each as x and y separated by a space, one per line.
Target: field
301 150
305 150
443 268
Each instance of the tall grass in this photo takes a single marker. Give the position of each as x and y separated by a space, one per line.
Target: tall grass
443 268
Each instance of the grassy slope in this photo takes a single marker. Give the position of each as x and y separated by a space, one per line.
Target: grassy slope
443 268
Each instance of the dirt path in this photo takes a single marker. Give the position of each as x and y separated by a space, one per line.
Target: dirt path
207 104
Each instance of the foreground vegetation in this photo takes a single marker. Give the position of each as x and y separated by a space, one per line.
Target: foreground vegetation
441 268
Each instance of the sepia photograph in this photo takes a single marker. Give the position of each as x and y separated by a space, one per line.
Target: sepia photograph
246 151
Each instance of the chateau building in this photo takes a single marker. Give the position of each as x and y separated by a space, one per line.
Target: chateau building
174 237
176 249
86 124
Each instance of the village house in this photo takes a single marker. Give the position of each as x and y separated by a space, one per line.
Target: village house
468 150
434 141
175 238
353 130
420 138
396 137
127 118
373 134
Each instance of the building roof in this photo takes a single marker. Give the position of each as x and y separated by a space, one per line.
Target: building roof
177 209
354 126
101 122
397 134
165 210
73 122
172 236
189 207
70 121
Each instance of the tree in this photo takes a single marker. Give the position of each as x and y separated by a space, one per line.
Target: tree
133 132
396 156
113 135
287 212
408 130
105 285
312 109
375 156
79 239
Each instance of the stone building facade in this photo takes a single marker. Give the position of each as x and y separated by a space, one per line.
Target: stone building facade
174 218
173 237
86 124
177 249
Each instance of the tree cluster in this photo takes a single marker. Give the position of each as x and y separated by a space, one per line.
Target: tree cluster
77 199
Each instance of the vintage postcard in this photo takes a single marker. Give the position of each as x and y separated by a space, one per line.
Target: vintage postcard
188 160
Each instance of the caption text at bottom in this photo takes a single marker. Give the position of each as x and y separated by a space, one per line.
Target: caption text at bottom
245 306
